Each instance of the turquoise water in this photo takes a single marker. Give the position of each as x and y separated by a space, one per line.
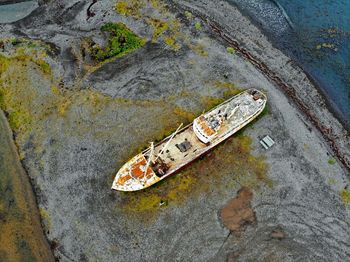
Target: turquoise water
314 33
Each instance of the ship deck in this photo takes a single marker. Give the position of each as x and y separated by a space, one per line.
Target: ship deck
174 158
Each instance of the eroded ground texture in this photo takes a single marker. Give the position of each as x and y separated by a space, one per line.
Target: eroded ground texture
82 101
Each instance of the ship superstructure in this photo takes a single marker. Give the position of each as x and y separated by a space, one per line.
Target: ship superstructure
188 143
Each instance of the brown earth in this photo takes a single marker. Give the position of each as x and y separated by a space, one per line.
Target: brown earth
238 213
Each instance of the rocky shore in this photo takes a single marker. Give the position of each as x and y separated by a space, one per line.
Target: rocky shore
79 109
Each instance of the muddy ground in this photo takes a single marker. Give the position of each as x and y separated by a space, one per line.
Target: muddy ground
22 238
77 121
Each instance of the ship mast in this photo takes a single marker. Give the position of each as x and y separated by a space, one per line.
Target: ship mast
167 143
150 157
151 152
233 112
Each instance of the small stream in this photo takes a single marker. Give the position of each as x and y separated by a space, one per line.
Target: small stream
13 12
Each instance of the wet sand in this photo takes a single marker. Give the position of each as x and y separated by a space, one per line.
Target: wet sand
21 237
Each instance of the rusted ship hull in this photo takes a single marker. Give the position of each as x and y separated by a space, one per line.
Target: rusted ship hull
190 142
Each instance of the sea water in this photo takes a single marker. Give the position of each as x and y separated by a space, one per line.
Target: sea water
314 33
13 12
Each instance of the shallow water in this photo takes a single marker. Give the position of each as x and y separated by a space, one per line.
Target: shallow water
13 12
316 34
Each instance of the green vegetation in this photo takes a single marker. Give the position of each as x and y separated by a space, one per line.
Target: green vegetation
3 64
45 67
188 14
15 41
332 161
345 196
230 50
198 25
164 26
120 42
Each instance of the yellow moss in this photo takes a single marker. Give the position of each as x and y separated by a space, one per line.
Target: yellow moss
198 25
230 88
199 50
175 33
55 90
159 27
4 63
17 96
164 27
45 67
224 84
45 217
146 204
129 8
171 42
188 116
155 4
345 196
209 102
160 6
63 106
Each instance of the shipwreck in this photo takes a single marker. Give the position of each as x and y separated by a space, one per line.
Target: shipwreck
190 142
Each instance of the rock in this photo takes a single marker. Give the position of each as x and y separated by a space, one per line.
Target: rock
278 234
